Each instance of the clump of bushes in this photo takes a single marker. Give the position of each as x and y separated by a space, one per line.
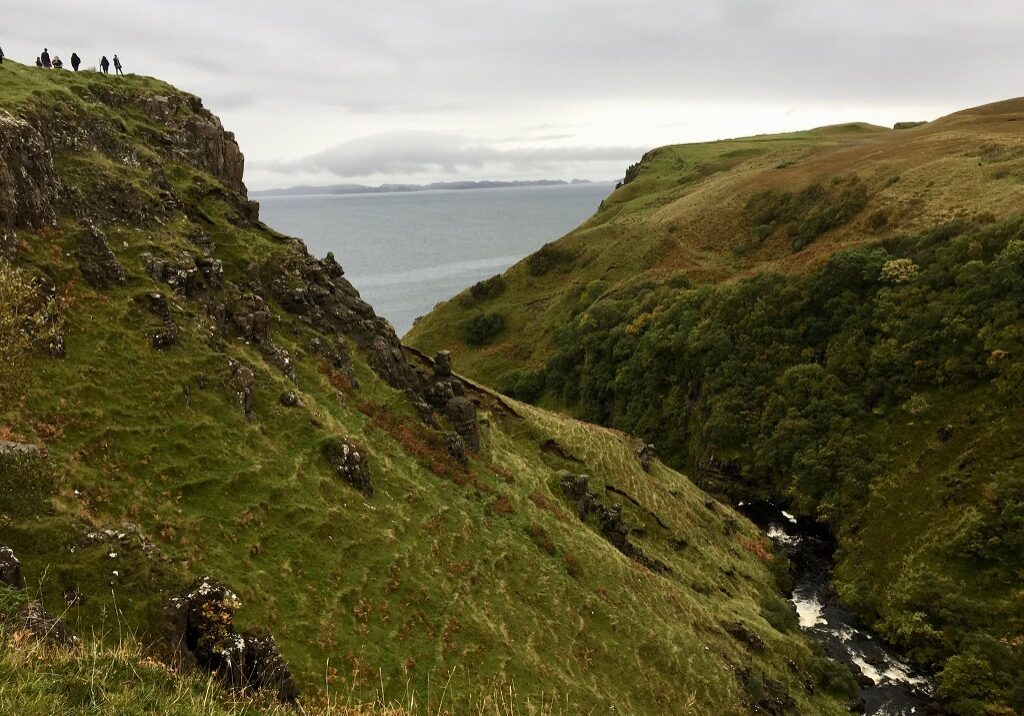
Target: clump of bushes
807 214
488 288
482 328
546 258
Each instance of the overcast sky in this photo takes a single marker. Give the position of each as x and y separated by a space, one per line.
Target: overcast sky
375 91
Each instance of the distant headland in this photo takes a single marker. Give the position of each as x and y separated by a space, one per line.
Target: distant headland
398 188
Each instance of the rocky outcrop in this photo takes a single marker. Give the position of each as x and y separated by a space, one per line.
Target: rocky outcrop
167 335
96 261
646 455
243 381
28 182
350 464
203 623
318 291
10 569
187 275
610 521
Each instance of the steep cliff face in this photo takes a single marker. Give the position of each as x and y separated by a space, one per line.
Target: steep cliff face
227 422
28 182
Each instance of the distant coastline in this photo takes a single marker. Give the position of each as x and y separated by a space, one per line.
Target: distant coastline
399 188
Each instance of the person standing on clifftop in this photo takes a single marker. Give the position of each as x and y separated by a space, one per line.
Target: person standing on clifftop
105 65
45 57
39 63
1 55
117 66
75 61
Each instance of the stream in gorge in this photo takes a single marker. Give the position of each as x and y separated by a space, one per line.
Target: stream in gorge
889 686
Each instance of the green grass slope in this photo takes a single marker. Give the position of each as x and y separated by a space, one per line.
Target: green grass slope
834 322
690 214
451 583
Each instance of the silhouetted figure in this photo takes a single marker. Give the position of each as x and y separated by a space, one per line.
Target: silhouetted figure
105 65
75 61
117 66
58 64
45 57
39 63
1 55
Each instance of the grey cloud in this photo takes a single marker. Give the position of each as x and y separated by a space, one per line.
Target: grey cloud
472 63
412 153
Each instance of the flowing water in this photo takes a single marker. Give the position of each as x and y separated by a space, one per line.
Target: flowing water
889 686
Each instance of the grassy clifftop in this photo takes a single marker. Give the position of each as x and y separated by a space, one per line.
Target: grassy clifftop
214 401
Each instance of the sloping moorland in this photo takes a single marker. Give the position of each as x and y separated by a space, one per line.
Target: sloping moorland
830 318
190 400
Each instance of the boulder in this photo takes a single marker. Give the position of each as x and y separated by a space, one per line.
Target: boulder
290 399
443 364
10 569
202 622
46 627
350 464
646 455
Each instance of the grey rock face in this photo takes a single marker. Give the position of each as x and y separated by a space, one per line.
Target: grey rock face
28 182
319 293
462 413
97 262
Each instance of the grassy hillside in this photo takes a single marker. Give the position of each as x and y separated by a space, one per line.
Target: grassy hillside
696 214
172 327
834 322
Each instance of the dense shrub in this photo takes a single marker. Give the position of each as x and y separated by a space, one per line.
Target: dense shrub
488 288
482 328
807 214
547 258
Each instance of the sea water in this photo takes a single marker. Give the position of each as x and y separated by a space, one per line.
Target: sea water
405 252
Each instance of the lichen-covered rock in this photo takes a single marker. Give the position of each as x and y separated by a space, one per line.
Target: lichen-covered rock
455 447
28 182
203 622
96 261
290 399
350 464
251 319
167 335
462 413
186 275
10 569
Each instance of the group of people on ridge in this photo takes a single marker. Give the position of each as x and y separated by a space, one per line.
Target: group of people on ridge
56 63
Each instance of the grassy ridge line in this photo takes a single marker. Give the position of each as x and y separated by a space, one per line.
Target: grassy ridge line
485 573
